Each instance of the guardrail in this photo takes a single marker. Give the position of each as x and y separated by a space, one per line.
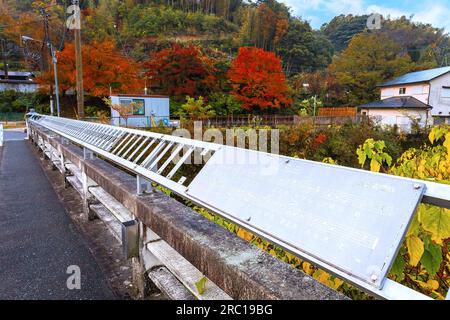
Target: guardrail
203 248
349 222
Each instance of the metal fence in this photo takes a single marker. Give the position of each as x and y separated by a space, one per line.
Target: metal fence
12 116
276 120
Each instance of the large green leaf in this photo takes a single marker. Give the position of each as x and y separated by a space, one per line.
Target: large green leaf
398 267
432 256
437 222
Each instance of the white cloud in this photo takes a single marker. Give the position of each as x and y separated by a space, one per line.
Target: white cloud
384 11
436 14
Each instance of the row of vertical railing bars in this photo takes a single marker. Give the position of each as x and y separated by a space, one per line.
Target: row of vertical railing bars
150 152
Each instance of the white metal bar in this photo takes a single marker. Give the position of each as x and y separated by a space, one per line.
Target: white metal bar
145 150
160 156
125 146
138 148
180 162
124 138
138 138
172 156
153 153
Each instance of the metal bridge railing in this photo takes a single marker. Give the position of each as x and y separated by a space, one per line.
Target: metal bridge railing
1 135
347 221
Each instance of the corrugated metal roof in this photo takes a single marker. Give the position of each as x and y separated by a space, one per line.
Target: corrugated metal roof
396 103
418 76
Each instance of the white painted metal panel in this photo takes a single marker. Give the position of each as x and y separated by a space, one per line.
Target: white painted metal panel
350 220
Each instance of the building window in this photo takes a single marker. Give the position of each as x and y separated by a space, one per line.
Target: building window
445 92
402 91
125 102
139 107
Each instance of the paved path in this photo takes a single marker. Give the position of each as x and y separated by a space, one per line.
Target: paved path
38 241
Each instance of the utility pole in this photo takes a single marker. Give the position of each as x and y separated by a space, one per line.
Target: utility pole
79 65
48 43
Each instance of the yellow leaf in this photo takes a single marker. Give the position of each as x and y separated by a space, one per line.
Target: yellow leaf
432 136
438 296
321 276
415 249
307 268
374 165
289 256
437 222
414 226
334 283
430 285
245 235
201 285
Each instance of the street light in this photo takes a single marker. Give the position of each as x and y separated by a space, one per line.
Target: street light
55 71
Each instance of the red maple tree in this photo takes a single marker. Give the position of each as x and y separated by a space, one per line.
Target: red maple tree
181 71
103 68
258 81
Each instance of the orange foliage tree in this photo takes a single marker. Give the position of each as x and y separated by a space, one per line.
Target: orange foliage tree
103 68
258 81
181 71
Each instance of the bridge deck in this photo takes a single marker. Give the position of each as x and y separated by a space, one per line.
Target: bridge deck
38 241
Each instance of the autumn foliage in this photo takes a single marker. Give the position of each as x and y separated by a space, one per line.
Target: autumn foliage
258 81
181 71
103 67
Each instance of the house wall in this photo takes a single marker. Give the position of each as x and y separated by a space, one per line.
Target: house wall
19 87
400 117
418 91
440 97
158 107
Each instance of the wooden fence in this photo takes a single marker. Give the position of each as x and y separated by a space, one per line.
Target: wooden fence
338 112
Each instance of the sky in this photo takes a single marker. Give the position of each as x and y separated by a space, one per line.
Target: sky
317 12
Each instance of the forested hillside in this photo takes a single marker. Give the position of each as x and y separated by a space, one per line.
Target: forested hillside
342 62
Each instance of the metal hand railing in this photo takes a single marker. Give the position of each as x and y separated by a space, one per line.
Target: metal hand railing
349 222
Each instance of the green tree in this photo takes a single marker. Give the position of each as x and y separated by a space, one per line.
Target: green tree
225 104
196 109
341 29
302 49
369 60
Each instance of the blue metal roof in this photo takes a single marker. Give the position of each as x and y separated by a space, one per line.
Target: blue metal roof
416 77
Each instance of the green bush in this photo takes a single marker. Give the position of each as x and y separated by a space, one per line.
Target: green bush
160 20
17 102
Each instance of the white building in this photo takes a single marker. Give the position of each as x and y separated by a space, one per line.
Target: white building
142 110
423 96
18 81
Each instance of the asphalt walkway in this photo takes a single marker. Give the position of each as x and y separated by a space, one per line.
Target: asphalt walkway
38 241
